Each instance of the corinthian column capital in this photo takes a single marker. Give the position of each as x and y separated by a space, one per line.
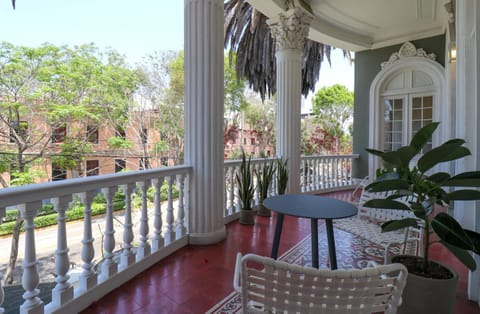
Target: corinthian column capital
290 29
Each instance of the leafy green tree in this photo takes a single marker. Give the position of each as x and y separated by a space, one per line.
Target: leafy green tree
92 89
44 89
162 91
333 107
234 99
260 117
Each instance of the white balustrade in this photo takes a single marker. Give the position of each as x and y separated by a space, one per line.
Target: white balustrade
318 173
101 273
117 264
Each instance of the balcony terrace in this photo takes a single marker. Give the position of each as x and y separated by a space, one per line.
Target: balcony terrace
128 248
195 278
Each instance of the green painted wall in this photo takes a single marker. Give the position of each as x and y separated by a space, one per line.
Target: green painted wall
367 65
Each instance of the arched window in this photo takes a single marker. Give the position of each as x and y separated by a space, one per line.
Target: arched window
406 94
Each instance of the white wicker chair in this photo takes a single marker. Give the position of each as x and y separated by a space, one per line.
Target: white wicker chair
367 224
270 286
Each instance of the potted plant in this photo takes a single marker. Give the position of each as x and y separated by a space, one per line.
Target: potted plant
282 175
404 178
264 179
245 190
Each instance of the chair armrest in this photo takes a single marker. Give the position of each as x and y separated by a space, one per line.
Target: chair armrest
238 273
372 264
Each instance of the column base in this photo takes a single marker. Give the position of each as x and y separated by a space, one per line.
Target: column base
207 238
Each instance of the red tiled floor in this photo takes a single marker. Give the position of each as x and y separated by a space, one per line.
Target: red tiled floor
195 278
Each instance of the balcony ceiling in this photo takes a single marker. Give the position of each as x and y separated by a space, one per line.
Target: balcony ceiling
368 24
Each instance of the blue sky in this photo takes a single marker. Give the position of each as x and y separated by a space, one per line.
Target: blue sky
133 28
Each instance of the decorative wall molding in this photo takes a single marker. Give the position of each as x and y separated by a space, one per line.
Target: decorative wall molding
408 50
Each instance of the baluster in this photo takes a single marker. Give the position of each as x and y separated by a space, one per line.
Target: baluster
157 240
256 169
143 249
231 179
128 257
310 183
181 230
63 291
335 171
30 278
303 182
274 181
2 292
88 278
330 170
225 191
316 174
108 268
350 174
322 169
169 233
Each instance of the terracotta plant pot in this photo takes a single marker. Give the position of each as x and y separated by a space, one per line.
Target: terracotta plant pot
247 217
428 295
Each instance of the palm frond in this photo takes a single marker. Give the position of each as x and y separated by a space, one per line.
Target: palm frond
247 34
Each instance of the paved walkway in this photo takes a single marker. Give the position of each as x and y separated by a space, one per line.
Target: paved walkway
46 243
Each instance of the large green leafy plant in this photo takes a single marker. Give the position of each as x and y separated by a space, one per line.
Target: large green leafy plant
403 179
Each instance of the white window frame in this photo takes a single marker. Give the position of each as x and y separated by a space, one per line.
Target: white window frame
378 93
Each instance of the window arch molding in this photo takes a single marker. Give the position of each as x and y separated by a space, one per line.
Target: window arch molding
390 70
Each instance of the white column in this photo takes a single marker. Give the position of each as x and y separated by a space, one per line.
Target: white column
468 115
204 118
289 31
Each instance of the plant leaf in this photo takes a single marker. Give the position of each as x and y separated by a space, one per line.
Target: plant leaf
463 195
393 225
468 179
387 185
475 237
439 177
423 135
463 255
448 151
419 211
393 158
386 204
406 153
375 152
450 231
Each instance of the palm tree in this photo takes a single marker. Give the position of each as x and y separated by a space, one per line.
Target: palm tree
247 34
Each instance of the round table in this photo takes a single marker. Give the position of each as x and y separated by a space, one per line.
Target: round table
313 207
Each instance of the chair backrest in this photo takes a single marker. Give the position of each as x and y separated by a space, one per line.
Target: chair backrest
381 214
267 285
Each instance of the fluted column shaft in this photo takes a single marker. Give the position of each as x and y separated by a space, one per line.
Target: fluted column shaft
204 118
289 30
467 115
